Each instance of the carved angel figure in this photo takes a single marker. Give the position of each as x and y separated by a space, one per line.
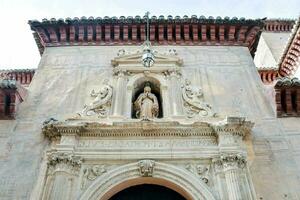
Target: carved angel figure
102 102
193 101
146 105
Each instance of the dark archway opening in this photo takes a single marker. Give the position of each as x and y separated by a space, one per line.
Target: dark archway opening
7 103
147 192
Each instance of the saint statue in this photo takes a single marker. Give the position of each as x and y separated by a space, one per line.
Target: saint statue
146 105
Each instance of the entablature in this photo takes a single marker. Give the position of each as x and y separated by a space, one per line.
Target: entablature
235 126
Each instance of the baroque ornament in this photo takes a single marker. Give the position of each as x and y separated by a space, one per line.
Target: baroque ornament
91 173
102 102
146 167
201 170
60 157
230 162
64 161
193 101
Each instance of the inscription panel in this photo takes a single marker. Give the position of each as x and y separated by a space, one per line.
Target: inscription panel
109 144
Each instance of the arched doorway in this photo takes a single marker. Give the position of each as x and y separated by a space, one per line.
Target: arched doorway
177 179
147 192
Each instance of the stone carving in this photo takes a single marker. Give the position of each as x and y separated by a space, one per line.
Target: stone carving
91 173
60 157
102 102
62 161
193 101
146 105
233 161
201 170
146 167
229 161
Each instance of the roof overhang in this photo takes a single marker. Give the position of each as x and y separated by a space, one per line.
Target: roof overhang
132 31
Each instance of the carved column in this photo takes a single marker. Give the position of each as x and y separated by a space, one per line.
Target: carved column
62 175
119 93
231 166
230 134
175 100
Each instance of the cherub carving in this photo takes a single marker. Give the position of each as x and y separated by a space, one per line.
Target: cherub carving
193 101
101 103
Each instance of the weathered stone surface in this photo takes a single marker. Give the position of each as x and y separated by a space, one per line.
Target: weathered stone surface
229 81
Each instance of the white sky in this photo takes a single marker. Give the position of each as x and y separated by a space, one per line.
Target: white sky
18 48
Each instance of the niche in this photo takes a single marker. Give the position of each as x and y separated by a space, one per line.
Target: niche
137 109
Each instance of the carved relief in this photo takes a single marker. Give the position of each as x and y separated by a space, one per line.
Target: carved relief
230 161
193 101
233 161
64 162
146 167
201 170
91 173
146 105
102 101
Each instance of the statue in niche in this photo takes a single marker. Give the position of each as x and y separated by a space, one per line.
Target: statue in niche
193 101
146 105
101 103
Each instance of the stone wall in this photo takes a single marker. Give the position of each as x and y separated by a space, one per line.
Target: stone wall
227 76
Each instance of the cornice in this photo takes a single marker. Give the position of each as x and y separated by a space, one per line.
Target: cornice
131 31
234 126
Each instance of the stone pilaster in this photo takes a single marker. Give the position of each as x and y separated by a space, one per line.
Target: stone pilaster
118 105
231 165
62 175
175 93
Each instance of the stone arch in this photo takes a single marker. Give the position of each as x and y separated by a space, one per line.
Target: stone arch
136 81
175 178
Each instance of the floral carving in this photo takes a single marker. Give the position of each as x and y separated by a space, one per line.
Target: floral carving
91 173
201 170
67 158
101 103
61 161
233 161
193 101
146 167
230 161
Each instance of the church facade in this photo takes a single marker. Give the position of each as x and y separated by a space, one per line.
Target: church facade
175 110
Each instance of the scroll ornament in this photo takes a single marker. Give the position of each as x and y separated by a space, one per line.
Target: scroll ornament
102 102
193 101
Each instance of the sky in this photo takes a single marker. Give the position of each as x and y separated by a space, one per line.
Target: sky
18 48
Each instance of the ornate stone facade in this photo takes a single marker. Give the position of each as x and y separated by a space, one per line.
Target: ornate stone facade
214 135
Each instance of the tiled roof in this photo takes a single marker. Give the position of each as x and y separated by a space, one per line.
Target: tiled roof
132 31
289 61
